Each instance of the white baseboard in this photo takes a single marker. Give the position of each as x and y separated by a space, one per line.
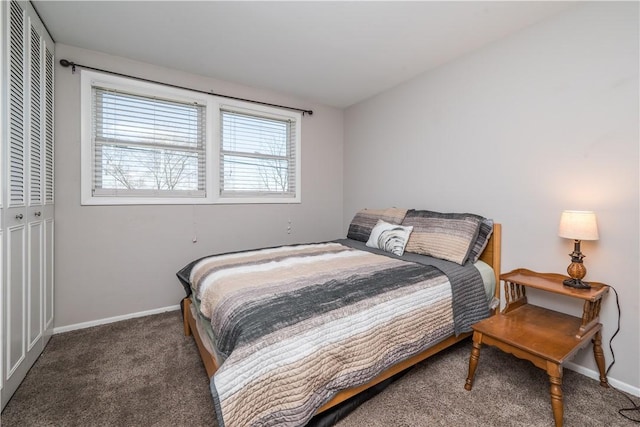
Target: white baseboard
84 325
596 376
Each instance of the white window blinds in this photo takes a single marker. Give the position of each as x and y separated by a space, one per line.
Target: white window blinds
146 143
147 146
257 155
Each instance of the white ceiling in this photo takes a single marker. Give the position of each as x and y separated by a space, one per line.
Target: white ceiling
334 53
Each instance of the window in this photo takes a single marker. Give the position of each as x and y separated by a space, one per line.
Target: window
257 155
146 143
147 146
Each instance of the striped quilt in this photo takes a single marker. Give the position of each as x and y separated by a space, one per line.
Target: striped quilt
296 324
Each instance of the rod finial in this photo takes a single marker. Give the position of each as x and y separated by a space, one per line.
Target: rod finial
65 63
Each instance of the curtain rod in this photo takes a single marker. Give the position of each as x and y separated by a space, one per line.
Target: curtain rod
66 63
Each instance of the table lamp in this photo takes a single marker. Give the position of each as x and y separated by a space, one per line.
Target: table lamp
577 225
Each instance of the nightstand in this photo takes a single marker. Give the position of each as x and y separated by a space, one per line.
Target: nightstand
544 337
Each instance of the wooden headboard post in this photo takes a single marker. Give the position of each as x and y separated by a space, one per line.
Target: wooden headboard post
492 254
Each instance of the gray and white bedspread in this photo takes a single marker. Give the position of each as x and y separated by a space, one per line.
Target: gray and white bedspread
297 324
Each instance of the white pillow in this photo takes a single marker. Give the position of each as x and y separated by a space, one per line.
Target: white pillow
389 237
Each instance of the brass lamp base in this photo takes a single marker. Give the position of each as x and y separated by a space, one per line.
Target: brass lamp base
576 269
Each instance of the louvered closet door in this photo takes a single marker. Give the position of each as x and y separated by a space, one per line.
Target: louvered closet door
15 291
28 189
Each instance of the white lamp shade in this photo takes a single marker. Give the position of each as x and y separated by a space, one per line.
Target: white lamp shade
578 225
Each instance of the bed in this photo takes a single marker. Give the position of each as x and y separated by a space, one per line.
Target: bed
290 332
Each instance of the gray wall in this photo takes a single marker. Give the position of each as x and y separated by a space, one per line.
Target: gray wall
118 260
539 122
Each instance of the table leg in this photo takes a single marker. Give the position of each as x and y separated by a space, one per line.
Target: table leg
599 356
555 378
473 359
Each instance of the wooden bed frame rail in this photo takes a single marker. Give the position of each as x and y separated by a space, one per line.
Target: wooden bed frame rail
210 364
491 255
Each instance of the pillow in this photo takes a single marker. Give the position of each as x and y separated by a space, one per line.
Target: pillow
448 236
486 230
364 221
389 237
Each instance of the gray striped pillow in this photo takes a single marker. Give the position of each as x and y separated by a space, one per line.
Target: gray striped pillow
486 230
448 236
364 221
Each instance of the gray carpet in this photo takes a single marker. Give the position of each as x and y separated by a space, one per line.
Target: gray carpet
145 372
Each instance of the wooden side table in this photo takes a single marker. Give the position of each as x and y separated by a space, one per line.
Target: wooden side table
544 337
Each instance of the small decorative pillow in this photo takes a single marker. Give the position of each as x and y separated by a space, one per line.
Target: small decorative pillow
389 237
364 221
447 236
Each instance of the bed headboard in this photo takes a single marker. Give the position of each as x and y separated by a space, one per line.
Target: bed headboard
492 253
